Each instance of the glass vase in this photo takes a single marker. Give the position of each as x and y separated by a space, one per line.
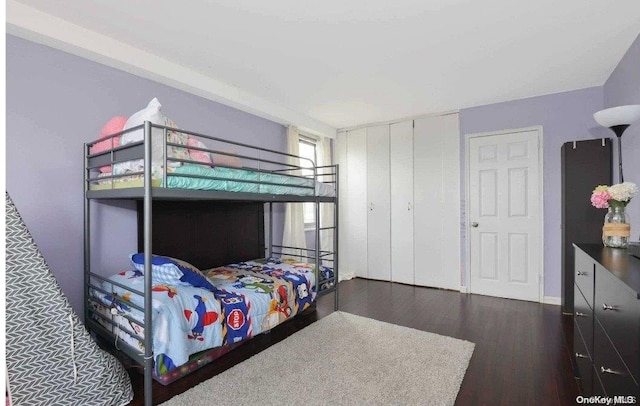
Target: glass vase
616 229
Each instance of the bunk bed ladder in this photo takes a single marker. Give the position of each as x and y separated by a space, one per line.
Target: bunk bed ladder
317 236
334 229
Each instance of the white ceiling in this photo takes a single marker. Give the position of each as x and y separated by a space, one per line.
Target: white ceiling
349 62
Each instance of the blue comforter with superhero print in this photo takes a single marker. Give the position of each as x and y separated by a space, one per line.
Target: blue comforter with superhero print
246 299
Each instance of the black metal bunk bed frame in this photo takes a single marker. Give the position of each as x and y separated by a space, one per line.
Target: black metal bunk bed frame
148 192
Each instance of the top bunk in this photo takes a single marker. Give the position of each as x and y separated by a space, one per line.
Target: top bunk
186 165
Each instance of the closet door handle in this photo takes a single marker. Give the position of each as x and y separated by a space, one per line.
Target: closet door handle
409 206
371 206
608 307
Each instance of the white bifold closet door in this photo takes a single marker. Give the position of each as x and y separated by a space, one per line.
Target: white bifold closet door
401 169
365 223
379 204
400 202
436 214
353 256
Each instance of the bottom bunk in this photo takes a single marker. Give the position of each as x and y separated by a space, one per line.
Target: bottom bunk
200 315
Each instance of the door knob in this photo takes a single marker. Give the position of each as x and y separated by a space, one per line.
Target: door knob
474 224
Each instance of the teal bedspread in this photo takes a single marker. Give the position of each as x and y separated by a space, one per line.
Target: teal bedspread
238 180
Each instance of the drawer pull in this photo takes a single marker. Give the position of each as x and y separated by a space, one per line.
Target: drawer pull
578 314
578 355
609 371
608 307
582 273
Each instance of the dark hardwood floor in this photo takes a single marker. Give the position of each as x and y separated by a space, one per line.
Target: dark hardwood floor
520 358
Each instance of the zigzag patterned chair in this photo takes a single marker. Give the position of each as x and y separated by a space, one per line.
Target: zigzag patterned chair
51 359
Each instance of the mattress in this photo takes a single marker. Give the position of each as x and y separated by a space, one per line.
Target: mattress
200 177
247 299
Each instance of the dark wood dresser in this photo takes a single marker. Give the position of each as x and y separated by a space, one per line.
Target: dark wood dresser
607 321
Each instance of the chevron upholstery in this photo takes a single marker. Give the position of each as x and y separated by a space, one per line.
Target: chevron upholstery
51 359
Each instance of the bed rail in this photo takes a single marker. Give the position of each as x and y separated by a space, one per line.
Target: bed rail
233 165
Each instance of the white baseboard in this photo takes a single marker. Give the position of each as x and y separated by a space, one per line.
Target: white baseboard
552 300
463 289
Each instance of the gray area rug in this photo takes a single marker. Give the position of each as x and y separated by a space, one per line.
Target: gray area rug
343 359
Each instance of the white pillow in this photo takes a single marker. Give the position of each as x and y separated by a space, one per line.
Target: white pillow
150 113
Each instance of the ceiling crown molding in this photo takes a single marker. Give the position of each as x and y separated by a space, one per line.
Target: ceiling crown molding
31 24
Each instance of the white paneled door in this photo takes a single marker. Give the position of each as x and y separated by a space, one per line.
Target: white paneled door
505 228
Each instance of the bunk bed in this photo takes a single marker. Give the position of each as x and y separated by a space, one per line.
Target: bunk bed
169 179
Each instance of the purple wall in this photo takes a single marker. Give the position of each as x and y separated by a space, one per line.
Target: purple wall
564 117
55 103
623 87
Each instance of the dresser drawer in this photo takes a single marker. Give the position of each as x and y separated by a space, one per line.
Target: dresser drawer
583 316
584 275
617 309
583 363
609 367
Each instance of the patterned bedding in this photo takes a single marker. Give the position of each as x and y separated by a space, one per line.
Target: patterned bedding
199 177
247 299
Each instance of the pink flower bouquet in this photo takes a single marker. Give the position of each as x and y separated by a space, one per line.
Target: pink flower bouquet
618 195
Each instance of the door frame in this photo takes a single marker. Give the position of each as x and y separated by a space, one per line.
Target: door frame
467 192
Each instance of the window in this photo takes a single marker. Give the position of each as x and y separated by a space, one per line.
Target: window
308 150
